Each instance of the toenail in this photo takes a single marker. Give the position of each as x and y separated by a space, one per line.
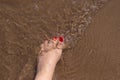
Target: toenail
61 39
55 38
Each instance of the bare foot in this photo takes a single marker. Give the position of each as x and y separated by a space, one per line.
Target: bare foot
50 53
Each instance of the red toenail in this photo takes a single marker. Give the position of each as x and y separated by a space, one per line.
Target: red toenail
55 38
61 39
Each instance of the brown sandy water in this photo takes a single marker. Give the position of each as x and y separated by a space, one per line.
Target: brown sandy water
24 24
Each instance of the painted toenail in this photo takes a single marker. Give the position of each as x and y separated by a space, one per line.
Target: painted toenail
61 39
55 38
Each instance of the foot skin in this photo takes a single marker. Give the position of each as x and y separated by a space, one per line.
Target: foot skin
50 53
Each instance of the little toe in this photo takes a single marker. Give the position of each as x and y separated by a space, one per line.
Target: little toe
46 43
42 47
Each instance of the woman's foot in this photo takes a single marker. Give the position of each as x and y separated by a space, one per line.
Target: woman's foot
50 53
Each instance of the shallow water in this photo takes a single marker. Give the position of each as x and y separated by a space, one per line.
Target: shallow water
72 20
79 17
67 18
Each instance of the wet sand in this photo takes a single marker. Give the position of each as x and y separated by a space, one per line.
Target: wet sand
22 28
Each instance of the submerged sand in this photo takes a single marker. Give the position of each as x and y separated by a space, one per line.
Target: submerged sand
23 26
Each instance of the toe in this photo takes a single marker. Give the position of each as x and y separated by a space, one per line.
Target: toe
60 45
45 43
42 47
49 44
55 42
